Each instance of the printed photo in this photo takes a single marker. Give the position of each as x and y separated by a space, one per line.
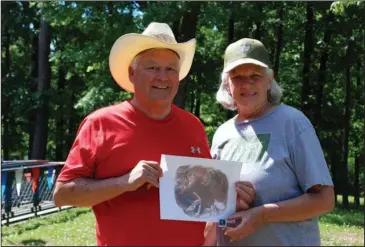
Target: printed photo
197 189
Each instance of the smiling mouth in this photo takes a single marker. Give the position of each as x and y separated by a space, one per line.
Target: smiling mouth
248 94
160 87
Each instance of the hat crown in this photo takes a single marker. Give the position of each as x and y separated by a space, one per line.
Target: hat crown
246 48
160 31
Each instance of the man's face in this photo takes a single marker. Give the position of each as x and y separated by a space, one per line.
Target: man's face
155 76
248 85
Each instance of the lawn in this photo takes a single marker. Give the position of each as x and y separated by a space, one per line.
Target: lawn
75 227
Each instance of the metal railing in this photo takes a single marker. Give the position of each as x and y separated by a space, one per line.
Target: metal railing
27 188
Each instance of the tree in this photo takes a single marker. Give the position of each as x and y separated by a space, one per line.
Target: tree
44 80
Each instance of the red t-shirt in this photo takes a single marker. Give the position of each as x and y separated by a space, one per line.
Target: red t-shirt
109 143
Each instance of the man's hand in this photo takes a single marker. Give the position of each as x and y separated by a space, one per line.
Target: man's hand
249 219
144 172
245 195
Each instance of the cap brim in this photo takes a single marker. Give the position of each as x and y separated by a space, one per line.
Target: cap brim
238 62
128 46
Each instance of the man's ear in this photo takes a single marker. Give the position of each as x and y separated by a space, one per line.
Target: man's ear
131 73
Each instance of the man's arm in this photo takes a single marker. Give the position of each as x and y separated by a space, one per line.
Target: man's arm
210 234
86 192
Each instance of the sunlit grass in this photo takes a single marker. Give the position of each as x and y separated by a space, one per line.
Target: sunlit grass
73 227
76 227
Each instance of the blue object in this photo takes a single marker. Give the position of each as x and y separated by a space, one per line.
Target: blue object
49 177
4 177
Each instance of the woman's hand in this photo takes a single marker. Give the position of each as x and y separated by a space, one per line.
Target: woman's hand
249 219
245 194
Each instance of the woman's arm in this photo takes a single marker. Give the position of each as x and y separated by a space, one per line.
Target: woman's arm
318 200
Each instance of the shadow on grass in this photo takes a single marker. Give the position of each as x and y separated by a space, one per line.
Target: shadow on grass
26 242
35 223
341 216
34 242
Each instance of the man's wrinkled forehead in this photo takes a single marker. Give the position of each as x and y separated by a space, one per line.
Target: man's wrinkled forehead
144 51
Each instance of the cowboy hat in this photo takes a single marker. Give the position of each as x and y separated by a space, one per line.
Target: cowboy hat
156 35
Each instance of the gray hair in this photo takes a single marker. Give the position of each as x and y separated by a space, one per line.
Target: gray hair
223 97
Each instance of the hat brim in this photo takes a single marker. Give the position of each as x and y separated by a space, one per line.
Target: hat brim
238 62
129 45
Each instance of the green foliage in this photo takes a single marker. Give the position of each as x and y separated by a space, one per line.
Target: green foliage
84 32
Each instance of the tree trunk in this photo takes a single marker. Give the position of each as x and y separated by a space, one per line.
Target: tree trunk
197 104
334 162
6 72
356 182
246 28
363 152
258 22
72 122
344 174
279 43
33 89
347 119
111 13
357 186
192 105
322 72
308 50
60 119
229 41
44 71
176 28
188 31
143 4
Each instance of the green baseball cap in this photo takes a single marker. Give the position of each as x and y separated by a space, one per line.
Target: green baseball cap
245 51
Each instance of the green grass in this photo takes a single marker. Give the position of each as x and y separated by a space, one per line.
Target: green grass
76 227
73 227
343 227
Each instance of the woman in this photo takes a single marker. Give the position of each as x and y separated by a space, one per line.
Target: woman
280 151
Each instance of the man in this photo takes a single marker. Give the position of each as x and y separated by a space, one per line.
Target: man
114 160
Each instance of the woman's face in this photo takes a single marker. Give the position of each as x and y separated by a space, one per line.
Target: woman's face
248 85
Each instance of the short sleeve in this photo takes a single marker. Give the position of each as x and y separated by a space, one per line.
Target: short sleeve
218 143
309 162
213 148
205 140
82 156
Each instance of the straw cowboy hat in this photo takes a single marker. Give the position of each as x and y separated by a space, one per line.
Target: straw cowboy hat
156 35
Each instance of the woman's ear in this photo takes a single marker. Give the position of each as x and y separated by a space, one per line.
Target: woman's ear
227 88
271 78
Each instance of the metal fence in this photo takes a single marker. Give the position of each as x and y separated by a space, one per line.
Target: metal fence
27 188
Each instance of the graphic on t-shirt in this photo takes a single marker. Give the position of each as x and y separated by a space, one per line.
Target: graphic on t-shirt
195 149
249 148
201 191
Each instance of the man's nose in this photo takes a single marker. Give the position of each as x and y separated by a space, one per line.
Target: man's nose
162 74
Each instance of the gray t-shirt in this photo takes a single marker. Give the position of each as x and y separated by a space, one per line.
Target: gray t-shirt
282 158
